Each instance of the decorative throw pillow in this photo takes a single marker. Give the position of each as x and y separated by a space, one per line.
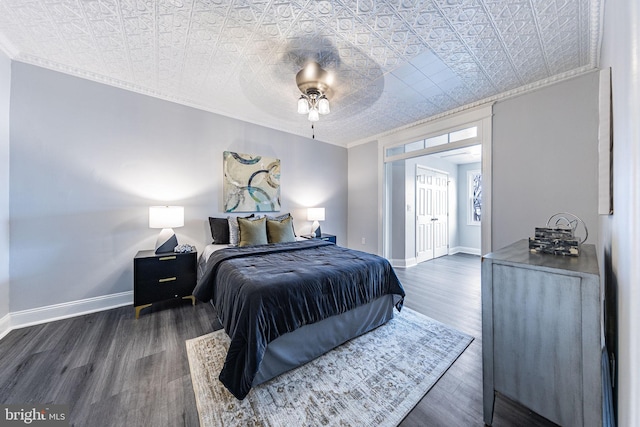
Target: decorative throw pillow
233 229
281 217
252 232
219 230
280 231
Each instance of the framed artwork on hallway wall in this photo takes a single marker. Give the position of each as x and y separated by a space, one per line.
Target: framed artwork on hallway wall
474 188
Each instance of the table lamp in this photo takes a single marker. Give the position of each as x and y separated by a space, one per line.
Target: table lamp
315 215
166 217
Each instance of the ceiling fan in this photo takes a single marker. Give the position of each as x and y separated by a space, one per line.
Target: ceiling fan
312 70
315 87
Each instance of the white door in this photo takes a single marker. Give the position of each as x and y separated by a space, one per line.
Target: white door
424 214
432 227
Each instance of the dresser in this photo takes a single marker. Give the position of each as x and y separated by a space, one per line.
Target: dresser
158 277
542 333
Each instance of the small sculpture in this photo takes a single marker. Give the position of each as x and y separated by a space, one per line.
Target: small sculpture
559 236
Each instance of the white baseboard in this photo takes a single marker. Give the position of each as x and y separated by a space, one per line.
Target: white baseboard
50 313
404 263
412 262
5 325
464 250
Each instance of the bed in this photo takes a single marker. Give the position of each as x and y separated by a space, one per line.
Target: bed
285 304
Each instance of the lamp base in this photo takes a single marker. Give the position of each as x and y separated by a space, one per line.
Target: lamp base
315 229
166 242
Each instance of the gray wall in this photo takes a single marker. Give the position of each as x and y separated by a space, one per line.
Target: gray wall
621 52
5 89
87 160
545 159
469 236
397 208
558 126
363 197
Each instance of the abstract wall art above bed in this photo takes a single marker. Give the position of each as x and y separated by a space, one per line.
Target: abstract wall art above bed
251 183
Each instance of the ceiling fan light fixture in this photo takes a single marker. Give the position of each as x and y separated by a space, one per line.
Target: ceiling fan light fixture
314 84
303 105
313 115
323 105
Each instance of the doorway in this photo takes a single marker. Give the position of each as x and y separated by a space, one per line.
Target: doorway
428 207
432 213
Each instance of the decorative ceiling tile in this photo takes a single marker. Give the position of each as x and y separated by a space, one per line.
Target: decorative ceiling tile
240 57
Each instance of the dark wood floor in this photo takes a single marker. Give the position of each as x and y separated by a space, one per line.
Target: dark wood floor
113 370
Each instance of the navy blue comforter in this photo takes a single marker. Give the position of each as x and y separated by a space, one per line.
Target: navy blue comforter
262 292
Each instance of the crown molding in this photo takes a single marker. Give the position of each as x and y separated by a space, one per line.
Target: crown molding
8 48
596 21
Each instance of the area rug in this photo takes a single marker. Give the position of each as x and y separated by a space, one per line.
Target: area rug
372 380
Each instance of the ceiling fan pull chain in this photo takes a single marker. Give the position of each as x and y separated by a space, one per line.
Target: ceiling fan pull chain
313 132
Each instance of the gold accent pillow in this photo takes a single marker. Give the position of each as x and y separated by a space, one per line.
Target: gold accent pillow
280 231
252 232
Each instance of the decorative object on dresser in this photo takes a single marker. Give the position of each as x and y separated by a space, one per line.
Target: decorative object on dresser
375 379
251 183
559 236
166 218
158 277
541 333
315 215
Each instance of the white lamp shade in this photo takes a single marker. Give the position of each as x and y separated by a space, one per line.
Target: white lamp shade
166 216
315 214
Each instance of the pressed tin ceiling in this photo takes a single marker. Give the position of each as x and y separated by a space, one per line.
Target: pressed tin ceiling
395 62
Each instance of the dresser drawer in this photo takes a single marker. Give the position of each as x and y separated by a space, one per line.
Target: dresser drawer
150 292
162 267
161 277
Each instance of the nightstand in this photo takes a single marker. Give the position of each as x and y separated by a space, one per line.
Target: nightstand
328 237
163 276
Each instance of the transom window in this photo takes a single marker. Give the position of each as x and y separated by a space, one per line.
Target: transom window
455 136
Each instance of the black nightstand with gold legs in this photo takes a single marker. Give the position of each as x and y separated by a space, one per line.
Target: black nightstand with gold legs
163 276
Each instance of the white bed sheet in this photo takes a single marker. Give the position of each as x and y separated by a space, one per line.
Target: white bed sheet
204 257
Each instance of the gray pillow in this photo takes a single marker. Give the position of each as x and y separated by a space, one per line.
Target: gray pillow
280 231
252 232
233 229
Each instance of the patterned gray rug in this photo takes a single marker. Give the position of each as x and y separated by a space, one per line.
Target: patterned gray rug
372 380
